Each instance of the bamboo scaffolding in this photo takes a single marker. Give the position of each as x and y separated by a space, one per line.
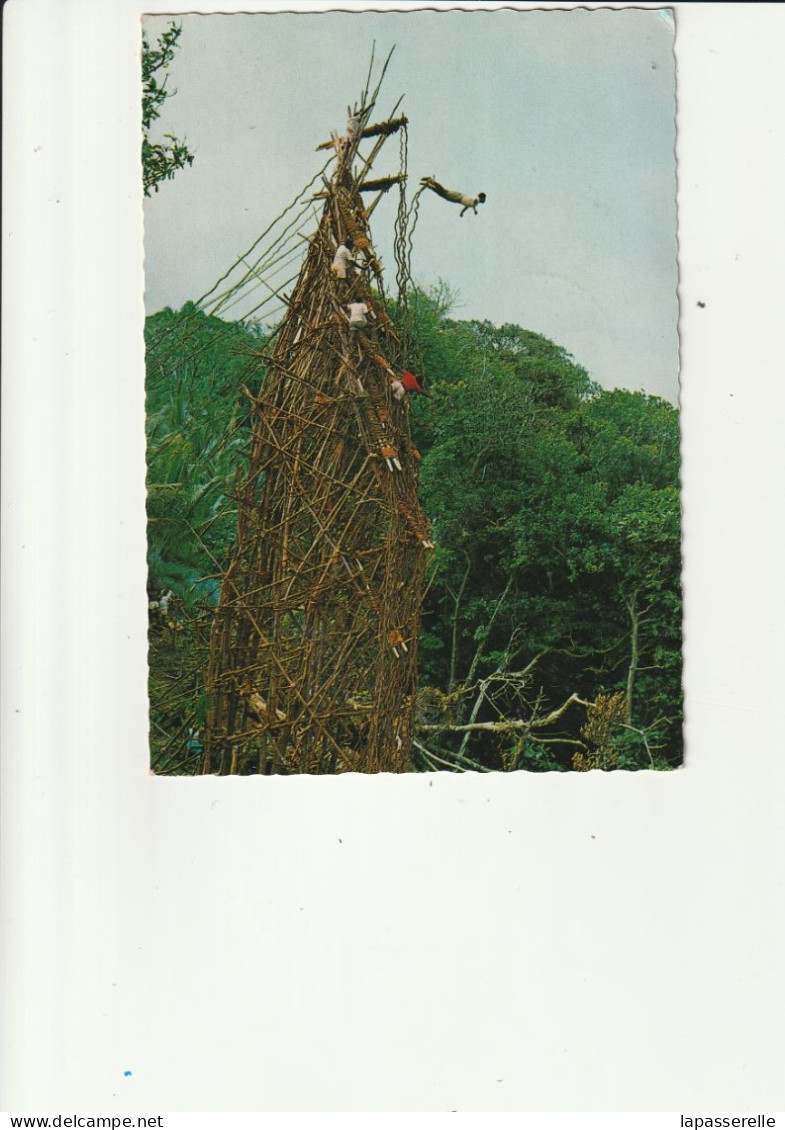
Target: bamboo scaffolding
313 649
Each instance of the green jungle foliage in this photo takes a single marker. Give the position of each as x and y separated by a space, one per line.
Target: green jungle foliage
197 431
553 613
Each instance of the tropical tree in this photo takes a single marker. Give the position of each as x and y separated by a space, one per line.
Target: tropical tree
161 159
197 427
556 513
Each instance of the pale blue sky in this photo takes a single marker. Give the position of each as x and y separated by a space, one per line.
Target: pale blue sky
564 118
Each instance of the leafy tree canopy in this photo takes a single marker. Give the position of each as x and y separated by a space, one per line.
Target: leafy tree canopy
163 158
556 513
555 503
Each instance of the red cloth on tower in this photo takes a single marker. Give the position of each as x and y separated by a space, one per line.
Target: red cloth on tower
410 382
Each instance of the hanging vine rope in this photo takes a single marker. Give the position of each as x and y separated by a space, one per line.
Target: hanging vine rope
406 220
403 274
291 241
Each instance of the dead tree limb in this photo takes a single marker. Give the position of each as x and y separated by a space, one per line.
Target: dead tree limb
507 725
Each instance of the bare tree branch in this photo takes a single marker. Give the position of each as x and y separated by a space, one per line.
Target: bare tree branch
430 756
487 631
536 722
642 734
456 611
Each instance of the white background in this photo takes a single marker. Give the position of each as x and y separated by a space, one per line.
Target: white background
473 943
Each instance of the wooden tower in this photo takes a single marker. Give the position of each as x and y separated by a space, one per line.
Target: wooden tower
313 654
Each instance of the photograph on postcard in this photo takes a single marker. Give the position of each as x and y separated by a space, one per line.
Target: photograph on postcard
412 392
